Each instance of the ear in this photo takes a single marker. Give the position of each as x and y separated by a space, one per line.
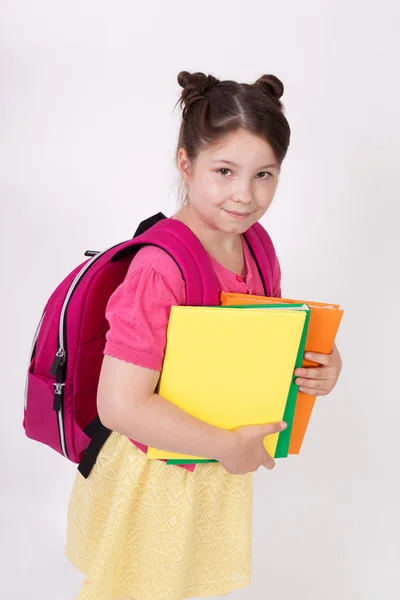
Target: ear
184 164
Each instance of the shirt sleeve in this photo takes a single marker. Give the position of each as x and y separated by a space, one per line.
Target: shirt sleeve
138 310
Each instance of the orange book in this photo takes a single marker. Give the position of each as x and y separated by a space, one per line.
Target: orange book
322 329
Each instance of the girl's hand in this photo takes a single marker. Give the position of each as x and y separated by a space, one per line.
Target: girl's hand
247 451
319 381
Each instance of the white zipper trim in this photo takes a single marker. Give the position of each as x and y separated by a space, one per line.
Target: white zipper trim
60 415
62 435
71 290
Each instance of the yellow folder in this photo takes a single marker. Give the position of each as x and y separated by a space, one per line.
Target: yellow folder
230 367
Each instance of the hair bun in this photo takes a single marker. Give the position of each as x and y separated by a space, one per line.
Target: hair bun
184 78
272 86
194 85
196 82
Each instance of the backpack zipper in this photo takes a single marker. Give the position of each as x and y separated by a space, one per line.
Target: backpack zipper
59 365
31 355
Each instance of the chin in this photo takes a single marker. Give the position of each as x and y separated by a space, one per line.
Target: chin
236 228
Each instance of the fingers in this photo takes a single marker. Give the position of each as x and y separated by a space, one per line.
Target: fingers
315 373
313 391
315 384
322 359
314 387
269 463
270 428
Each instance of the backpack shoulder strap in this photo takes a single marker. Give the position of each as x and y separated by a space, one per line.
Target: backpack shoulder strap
183 246
264 254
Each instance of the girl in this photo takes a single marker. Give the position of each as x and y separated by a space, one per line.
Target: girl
145 530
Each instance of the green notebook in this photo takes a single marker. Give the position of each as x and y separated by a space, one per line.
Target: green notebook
185 461
282 448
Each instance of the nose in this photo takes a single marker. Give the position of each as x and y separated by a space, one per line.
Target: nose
242 193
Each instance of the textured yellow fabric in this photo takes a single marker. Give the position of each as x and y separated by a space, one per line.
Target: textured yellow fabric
143 530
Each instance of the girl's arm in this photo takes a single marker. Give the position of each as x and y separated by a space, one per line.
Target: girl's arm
138 313
127 404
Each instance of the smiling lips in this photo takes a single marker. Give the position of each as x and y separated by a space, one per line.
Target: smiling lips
237 215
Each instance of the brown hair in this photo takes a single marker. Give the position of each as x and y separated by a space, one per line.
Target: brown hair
213 108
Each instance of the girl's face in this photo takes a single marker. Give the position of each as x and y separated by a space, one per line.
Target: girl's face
231 185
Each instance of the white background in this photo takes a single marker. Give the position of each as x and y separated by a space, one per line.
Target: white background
87 141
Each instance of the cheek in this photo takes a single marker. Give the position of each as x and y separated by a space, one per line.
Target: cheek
211 193
265 198
219 192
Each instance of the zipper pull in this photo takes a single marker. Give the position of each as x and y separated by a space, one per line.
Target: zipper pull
58 395
59 360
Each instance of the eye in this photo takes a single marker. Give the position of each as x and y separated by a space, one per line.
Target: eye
266 173
223 169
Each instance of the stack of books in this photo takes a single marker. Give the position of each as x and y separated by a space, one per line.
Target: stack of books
233 365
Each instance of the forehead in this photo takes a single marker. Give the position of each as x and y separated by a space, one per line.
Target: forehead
241 147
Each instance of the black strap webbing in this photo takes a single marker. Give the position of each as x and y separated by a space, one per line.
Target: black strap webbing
147 223
99 434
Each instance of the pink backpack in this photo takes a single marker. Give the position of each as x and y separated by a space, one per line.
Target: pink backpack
67 351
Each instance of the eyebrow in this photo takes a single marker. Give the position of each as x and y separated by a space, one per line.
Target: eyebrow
233 164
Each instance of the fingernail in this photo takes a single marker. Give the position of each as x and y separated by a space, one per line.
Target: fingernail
283 425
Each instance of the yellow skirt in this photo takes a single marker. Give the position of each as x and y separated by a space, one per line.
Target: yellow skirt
140 529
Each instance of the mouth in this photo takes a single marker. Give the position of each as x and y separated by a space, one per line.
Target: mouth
238 215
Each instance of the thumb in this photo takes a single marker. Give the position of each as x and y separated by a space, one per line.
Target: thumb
270 428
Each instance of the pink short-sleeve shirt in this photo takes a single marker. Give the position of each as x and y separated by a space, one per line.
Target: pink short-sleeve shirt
138 310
